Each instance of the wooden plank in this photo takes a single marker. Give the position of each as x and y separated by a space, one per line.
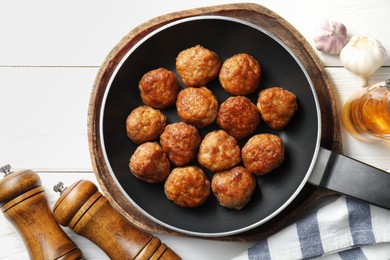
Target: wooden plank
42 133
47 33
74 33
43 116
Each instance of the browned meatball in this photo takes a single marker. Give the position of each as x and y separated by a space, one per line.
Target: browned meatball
219 151
238 116
145 124
233 188
159 88
240 74
277 106
263 153
197 66
197 106
150 163
181 142
187 186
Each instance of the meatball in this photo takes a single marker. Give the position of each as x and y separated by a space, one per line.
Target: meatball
240 74
219 151
187 186
150 163
159 88
197 66
197 106
233 188
181 142
277 106
145 124
263 153
238 116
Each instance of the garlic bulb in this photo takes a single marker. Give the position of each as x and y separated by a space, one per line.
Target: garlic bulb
363 55
331 37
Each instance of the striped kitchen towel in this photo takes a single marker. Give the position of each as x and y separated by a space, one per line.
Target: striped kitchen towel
344 229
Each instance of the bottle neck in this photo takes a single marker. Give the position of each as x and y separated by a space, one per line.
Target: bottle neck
386 84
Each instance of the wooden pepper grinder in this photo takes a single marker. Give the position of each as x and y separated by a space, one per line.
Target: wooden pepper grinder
24 204
84 209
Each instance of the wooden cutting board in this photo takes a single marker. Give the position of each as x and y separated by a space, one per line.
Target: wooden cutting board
270 21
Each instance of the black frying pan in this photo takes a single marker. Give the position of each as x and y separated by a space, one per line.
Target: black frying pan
304 160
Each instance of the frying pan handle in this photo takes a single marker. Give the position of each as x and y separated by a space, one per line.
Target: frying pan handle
351 177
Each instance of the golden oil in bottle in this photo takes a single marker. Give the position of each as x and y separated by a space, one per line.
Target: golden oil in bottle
366 115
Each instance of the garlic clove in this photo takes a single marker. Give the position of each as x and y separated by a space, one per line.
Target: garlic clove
331 37
363 55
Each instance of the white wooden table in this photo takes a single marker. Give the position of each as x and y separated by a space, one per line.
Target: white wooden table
50 52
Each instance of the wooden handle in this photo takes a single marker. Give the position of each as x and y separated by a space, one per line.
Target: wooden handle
24 204
85 210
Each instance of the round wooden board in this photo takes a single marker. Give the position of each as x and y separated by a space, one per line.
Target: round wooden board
255 14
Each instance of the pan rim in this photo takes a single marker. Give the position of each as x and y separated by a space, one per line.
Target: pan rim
238 230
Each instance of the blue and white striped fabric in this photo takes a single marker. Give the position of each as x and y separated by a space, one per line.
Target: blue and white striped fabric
344 229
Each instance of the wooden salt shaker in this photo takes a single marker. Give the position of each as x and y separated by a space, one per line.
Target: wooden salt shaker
24 204
84 209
